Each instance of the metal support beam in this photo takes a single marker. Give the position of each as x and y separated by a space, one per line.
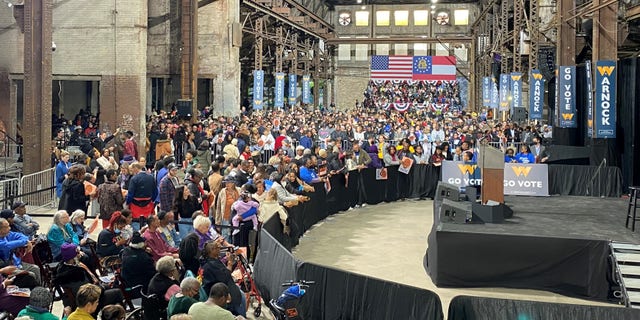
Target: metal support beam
38 25
566 35
605 32
279 49
189 59
337 41
534 36
294 55
504 32
518 12
257 56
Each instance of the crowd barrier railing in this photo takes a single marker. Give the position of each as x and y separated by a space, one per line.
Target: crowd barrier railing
38 189
9 188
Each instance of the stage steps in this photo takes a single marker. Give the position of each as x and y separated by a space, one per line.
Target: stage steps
626 258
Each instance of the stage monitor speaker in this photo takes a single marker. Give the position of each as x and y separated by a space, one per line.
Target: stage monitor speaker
183 107
455 212
447 191
488 213
519 114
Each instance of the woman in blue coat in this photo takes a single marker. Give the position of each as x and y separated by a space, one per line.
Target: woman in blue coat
61 171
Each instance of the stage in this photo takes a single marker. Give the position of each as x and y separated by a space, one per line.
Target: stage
558 243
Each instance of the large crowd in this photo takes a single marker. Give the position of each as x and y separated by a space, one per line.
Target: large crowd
434 95
169 214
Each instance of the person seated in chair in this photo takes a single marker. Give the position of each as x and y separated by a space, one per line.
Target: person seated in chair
87 300
183 300
27 275
214 307
39 305
110 240
23 221
158 247
9 303
73 274
61 232
137 265
164 283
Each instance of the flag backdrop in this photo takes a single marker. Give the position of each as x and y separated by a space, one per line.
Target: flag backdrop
430 68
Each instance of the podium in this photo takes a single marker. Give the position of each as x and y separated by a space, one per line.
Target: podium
491 164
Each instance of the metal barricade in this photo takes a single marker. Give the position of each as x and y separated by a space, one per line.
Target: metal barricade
38 189
9 188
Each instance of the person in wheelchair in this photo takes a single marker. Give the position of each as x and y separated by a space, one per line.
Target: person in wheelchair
183 300
215 271
137 265
72 274
164 283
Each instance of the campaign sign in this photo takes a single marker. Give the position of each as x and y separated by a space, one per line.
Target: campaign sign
258 89
293 88
536 94
486 91
524 179
495 95
306 89
504 92
605 110
589 79
279 92
516 90
567 97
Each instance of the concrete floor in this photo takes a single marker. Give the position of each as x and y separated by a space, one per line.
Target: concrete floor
388 241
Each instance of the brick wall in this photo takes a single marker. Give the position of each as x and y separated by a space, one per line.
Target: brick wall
106 39
349 86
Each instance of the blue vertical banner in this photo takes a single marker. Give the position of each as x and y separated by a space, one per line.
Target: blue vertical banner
504 91
495 94
556 101
589 79
258 89
486 91
605 110
293 88
306 89
516 90
536 94
567 97
279 94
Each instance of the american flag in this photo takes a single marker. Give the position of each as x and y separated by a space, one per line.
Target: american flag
392 67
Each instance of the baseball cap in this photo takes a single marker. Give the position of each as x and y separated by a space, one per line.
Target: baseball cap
18 204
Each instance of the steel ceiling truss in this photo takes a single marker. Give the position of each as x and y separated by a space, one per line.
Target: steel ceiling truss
296 14
272 43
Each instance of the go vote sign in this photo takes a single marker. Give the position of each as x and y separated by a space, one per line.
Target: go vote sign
567 97
522 179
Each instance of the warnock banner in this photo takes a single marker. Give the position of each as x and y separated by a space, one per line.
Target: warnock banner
495 94
279 92
486 91
504 92
589 79
306 89
516 90
605 110
519 178
293 88
567 97
536 94
258 89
